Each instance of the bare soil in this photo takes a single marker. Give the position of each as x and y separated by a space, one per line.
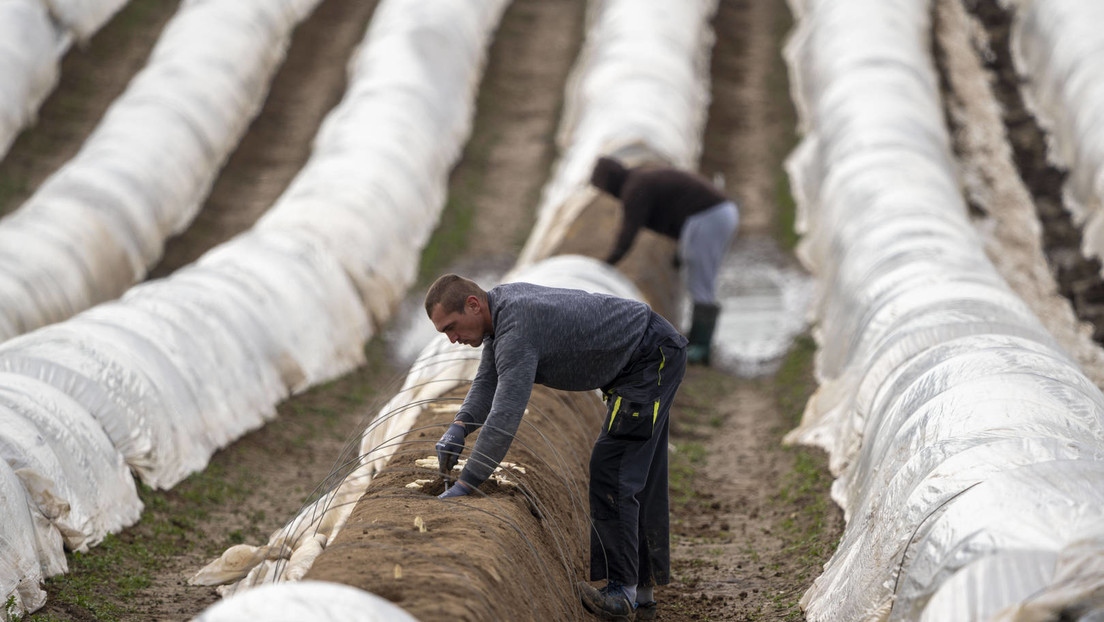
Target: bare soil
751 519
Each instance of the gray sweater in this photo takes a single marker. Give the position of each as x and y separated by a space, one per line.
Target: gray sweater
562 338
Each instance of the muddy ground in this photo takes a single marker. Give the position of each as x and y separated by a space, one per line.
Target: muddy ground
752 521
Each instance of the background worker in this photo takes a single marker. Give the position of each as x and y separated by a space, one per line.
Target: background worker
683 206
575 341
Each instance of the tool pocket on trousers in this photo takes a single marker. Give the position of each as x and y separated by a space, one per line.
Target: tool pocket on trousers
631 421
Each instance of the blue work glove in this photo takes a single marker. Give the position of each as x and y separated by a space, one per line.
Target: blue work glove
459 489
449 448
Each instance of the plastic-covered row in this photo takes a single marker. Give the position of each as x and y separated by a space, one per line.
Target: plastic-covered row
639 90
95 226
969 448
62 484
376 181
182 366
160 380
34 35
1059 46
306 600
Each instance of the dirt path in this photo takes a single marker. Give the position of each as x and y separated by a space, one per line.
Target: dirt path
756 523
752 522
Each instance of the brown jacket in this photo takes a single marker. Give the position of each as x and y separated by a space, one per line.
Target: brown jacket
657 198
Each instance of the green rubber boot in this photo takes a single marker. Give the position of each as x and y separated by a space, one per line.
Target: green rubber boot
702 324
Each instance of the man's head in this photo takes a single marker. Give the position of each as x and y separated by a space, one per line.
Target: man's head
458 308
608 176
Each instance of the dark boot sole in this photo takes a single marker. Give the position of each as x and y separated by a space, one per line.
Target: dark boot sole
605 615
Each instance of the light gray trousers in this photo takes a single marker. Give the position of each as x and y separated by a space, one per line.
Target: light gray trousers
703 242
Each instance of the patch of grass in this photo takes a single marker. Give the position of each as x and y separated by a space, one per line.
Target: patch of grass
786 210
778 87
10 611
103 581
10 189
786 606
701 390
450 239
684 463
752 553
794 382
804 490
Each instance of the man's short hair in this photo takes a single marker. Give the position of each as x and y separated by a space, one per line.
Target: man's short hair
450 291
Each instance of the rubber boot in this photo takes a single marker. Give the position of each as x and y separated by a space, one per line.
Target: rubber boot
702 324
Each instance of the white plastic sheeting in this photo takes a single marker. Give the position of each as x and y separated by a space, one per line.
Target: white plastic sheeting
440 368
64 486
30 51
68 466
34 35
1059 46
96 225
306 600
181 367
83 17
640 89
969 447
26 561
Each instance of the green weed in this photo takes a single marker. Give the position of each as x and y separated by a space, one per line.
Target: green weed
10 611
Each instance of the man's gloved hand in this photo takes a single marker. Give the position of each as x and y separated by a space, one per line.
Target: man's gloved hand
449 448
459 489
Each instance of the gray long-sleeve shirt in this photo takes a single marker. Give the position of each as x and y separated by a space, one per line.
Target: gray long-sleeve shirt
562 338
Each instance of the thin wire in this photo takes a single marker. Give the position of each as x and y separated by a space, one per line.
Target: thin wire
400 445
558 538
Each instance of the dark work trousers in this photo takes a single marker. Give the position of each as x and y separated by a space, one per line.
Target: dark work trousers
630 533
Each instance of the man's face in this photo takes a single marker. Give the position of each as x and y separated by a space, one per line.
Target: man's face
461 327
